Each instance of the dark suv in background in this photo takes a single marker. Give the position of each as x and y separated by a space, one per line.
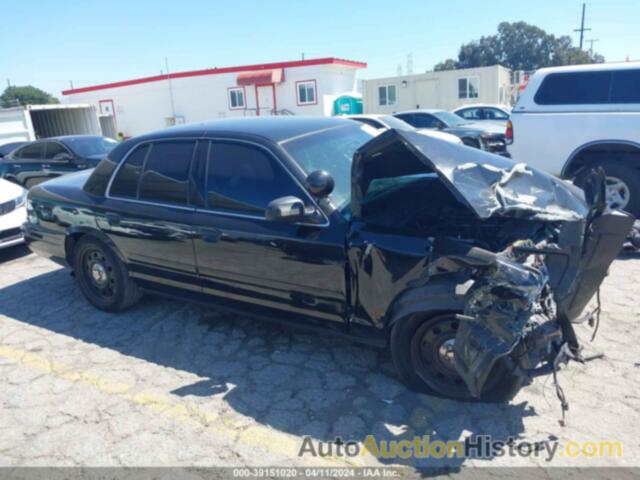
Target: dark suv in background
42 160
485 136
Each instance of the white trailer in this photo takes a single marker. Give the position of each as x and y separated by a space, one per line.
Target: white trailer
31 122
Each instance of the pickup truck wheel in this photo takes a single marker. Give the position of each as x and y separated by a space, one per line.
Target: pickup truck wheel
622 184
422 351
102 277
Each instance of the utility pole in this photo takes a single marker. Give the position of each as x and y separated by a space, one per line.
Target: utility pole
173 107
582 29
591 42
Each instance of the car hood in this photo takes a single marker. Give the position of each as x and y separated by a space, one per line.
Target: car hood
489 185
9 190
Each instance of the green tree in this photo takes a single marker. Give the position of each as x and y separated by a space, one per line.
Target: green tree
15 96
519 46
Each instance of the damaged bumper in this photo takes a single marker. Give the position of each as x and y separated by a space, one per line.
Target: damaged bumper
521 308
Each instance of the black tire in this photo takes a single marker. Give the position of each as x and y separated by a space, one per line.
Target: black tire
103 278
408 337
629 175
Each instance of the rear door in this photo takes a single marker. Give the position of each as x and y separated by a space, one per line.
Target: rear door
242 257
148 213
26 164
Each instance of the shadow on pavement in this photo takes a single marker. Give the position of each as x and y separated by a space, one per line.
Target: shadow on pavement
13 253
298 383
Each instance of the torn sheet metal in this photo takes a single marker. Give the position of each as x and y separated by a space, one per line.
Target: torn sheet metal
500 306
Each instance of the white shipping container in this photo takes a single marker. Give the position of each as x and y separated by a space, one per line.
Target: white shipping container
31 122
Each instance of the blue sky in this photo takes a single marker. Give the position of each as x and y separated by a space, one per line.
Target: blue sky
47 43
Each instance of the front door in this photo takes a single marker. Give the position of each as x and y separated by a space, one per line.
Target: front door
266 99
292 268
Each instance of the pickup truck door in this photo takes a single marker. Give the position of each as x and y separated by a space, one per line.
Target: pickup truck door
148 216
290 268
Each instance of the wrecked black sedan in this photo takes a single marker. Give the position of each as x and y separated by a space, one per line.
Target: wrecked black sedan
469 267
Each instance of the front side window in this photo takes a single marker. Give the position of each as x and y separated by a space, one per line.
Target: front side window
471 114
53 149
236 99
165 177
244 179
468 87
424 120
495 114
387 95
33 152
306 92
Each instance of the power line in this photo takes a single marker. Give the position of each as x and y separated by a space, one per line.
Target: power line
582 29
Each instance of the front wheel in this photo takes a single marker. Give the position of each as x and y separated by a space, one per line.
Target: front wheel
102 277
422 351
622 184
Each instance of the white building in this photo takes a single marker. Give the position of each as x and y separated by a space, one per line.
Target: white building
303 87
446 90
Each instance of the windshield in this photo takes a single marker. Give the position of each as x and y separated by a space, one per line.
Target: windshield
451 119
331 150
90 146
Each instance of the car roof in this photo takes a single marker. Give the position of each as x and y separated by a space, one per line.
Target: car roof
63 138
593 67
274 128
483 105
423 110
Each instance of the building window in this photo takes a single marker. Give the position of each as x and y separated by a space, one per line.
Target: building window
468 87
236 98
306 92
387 95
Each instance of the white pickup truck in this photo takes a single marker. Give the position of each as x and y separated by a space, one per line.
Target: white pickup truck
569 119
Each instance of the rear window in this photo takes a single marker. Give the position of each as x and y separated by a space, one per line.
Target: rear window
590 88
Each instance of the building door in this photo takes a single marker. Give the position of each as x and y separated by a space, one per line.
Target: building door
265 99
427 94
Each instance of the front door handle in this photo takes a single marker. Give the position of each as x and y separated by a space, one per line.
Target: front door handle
211 236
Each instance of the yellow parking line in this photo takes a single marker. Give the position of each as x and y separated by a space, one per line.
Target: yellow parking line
186 413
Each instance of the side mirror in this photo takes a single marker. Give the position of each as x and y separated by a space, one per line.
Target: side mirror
62 157
319 183
286 209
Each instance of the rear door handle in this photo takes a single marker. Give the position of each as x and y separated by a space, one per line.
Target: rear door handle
113 219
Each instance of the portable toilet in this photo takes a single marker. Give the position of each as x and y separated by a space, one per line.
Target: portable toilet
348 104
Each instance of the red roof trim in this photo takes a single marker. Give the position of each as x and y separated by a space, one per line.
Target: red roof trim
218 71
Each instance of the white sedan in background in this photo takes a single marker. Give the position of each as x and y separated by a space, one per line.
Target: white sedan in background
13 213
380 122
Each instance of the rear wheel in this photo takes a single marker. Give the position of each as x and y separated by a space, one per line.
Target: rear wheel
422 351
102 277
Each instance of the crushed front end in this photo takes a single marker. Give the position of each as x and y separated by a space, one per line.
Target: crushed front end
529 250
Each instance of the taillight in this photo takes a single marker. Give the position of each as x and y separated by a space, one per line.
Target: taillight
508 135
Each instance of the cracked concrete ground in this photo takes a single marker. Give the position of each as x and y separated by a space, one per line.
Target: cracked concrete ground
169 383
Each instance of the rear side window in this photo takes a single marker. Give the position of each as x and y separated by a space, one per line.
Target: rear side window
424 120
574 88
165 177
244 179
471 114
33 152
622 86
126 182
